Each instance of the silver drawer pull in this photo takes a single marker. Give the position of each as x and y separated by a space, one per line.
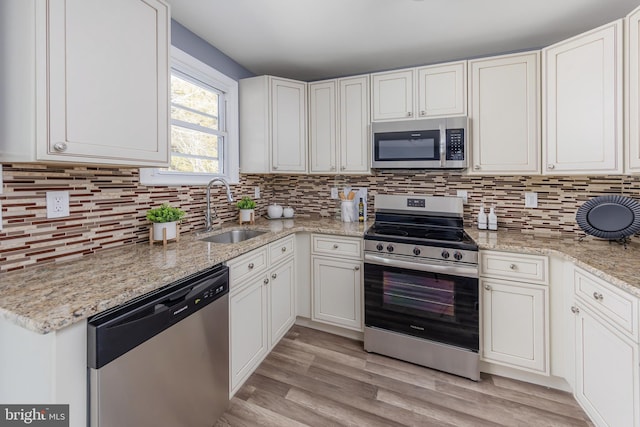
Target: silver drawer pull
513 267
598 296
335 246
575 310
284 249
551 166
266 281
250 266
356 268
60 146
274 275
487 287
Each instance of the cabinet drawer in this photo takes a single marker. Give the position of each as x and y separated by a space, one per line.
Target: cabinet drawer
613 305
246 265
338 246
281 249
527 268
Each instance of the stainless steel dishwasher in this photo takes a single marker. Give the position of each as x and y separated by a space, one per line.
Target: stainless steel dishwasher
163 358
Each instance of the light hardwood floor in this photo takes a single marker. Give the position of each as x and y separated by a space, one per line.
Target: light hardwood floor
318 379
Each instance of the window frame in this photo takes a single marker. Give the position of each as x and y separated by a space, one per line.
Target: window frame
195 69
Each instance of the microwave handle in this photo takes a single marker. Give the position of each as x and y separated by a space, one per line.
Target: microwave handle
443 145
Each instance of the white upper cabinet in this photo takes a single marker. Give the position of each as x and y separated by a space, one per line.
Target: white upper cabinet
339 126
392 95
504 108
633 91
273 125
442 90
582 101
87 81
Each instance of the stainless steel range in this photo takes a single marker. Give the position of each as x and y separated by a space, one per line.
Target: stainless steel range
421 284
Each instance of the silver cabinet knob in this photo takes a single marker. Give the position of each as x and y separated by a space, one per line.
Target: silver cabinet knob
274 167
551 166
284 249
333 168
423 113
598 296
476 167
513 267
250 266
266 281
335 246
342 168
487 287
60 146
274 275
356 268
575 310
410 114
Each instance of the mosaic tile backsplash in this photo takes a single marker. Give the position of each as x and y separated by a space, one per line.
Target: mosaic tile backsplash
108 205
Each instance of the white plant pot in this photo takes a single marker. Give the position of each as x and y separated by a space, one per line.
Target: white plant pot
246 215
169 226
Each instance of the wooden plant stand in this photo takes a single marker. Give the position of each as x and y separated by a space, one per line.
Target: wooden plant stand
251 221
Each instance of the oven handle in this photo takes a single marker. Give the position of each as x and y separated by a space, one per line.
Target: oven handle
452 270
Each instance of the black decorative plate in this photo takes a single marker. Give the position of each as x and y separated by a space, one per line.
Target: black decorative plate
610 217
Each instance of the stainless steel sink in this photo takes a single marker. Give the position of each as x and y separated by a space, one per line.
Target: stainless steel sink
233 236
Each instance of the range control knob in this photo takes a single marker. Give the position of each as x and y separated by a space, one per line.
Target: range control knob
445 254
379 246
390 248
416 251
457 255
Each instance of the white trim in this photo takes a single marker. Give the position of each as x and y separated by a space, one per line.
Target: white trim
194 68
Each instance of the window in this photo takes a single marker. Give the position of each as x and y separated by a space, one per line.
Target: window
204 126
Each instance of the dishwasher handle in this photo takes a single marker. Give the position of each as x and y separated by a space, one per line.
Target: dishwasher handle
112 334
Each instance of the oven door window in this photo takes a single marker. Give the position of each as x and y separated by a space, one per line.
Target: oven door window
397 146
439 307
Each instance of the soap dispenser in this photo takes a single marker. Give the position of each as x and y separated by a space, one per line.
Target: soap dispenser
482 218
493 219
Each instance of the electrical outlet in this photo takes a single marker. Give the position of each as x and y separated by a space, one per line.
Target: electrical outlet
463 195
256 192
0 214
1 185
530 200
334 192
57 204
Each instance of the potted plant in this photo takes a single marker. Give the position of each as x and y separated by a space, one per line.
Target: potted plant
165 217
246 206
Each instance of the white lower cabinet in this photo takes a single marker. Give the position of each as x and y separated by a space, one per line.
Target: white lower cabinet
514 324
607 382
261 307
336 264
515 310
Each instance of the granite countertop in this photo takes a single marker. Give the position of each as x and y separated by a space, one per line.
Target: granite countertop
51 296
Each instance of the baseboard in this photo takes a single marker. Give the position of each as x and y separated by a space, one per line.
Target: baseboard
529 377
336 330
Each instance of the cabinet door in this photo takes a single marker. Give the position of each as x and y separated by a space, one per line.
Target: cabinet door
354 124
282 303
607 377
323 127
442 90
248 330
515 325
583 103
505 114
108 82
337 294
288 126
392 95
633 87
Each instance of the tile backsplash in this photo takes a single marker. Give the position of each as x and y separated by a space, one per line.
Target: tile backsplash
108 205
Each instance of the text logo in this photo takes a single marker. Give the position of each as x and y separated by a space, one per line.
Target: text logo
34 415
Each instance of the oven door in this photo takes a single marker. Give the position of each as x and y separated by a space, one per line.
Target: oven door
438 302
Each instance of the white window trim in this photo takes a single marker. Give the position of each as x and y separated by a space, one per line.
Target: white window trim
211 76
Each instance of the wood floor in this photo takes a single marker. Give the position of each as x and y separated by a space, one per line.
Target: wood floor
318 379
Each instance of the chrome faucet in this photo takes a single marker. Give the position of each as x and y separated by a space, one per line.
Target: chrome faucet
207 214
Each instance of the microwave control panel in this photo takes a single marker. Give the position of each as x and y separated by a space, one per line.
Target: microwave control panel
455 144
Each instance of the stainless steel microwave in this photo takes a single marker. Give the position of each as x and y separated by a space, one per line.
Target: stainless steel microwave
420 144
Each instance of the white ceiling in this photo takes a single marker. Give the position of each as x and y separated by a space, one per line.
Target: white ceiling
315 39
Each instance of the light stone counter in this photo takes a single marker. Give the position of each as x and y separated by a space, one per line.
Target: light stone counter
609 261
51 296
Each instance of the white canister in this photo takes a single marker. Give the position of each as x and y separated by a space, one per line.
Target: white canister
348 211
274 211
287 212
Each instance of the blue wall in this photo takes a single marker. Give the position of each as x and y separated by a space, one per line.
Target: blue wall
190 43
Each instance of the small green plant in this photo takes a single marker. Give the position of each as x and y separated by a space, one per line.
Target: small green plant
246 203
165 213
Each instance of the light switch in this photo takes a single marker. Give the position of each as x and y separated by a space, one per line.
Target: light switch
530 200
463 195
334 192
256 192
